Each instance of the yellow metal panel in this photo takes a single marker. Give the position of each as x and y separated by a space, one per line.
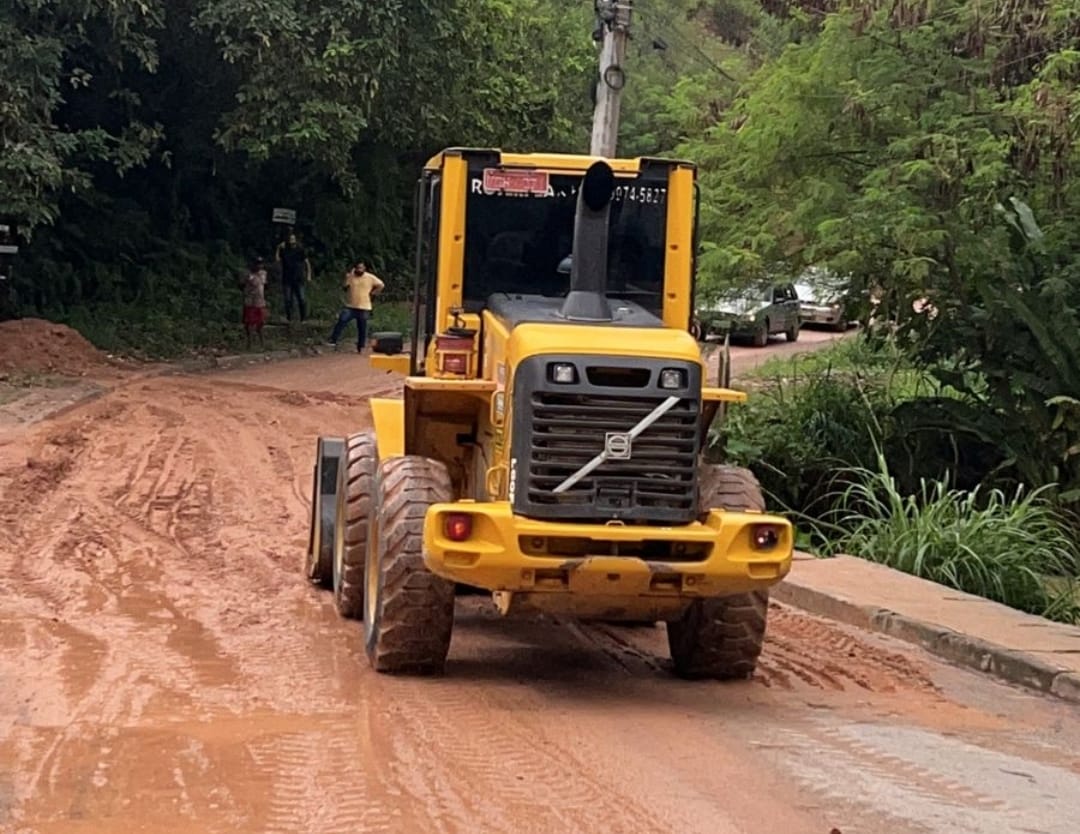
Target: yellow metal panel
482 388
493 557
722 395
389 418
451 240
678 264
399 364
605 340
567 162
494 352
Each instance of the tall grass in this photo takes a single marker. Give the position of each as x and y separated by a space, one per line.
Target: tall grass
1015 548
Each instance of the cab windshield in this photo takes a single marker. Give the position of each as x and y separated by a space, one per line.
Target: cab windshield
516 243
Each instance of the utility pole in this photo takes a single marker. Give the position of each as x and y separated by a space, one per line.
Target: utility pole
613 17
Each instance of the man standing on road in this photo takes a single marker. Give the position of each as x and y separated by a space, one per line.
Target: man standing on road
295 270
359 285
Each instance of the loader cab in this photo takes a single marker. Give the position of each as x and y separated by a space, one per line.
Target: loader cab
498 228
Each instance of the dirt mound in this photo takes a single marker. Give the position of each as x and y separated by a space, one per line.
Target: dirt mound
36 346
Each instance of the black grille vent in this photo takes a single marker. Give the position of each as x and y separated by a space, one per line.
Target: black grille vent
562 430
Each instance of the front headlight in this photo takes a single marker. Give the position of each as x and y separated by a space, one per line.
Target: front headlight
563 373
749 316
671 378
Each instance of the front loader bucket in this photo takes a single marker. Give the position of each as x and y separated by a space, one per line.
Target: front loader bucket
329 455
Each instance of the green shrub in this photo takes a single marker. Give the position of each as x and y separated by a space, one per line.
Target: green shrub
809 416
1015 548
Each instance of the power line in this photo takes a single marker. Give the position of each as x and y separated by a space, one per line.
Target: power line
674 30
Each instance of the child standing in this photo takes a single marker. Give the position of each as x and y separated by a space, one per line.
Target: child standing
254 285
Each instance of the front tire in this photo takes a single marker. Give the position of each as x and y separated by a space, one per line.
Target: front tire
722 637
355 492
408 610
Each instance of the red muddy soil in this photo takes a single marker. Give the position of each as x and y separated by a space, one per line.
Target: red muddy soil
165 667
31 346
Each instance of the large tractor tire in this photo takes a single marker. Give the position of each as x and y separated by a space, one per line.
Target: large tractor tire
408 610
325 476
355 492
722 637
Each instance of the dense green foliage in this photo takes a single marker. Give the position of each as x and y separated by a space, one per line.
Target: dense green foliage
929 151
828 436
145 144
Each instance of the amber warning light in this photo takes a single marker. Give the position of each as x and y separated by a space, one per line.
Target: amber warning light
515 181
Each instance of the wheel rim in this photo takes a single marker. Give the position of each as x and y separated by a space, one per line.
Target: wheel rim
339 541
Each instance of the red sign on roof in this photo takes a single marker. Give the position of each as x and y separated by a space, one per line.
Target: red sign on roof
515 181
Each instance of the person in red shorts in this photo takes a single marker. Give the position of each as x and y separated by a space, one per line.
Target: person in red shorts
255 312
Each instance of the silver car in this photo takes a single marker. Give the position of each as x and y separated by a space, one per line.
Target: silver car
823 299
755 313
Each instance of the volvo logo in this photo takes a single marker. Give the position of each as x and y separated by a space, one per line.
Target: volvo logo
618 445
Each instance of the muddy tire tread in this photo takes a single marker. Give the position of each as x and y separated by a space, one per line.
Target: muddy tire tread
414 617
361 459
722 637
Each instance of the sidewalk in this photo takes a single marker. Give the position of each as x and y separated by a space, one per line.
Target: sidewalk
964 629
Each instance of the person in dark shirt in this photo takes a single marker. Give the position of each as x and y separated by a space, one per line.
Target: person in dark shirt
295 271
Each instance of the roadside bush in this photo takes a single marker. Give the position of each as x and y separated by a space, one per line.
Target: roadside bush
812 416
1017 549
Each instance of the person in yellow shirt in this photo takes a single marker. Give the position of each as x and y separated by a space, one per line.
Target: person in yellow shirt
359 285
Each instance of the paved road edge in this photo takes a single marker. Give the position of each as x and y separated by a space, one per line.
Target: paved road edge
965 650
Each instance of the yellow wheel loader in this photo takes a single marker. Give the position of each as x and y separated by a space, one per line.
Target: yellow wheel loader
547 449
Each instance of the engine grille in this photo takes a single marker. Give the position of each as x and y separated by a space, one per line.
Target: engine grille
567 429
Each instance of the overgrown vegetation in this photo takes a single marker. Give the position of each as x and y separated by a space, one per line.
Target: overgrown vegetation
828 435
1005 547
143 145
928 151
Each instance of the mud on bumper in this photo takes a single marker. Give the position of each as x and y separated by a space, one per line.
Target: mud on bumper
504 552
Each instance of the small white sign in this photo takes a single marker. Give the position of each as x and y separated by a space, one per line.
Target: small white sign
4 228
285 215
8 250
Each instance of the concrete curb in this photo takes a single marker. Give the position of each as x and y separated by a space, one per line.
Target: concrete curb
964 650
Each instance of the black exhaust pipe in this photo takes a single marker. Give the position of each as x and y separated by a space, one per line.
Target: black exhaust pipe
587 299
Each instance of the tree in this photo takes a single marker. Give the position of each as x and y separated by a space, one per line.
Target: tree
51 57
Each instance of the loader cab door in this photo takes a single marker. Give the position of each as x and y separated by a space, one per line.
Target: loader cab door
428 194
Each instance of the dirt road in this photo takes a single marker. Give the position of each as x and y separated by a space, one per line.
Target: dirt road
164 667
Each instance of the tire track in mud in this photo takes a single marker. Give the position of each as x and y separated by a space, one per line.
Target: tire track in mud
800 651
490 749
806 650
317 785
175 532
133 543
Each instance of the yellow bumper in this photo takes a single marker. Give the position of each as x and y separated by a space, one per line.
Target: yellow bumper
509 553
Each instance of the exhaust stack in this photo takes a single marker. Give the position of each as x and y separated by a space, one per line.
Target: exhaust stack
587 299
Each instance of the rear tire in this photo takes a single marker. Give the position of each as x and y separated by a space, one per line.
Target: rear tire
792 333
355 491
408 610
722 637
